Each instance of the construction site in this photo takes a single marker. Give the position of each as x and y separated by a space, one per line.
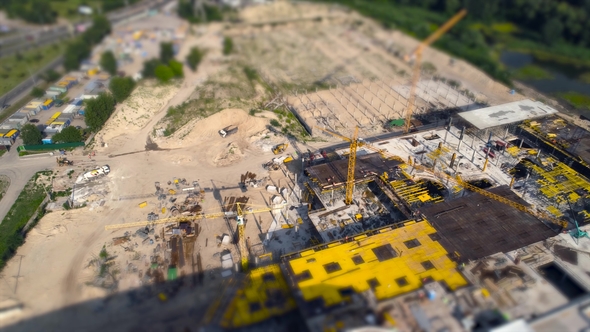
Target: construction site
416 205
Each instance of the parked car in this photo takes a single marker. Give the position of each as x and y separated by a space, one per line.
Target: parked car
34 120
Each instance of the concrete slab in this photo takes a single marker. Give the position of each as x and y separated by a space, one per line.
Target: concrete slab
507 113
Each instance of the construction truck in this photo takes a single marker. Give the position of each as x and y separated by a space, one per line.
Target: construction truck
62 161
228 131
280 148
99 171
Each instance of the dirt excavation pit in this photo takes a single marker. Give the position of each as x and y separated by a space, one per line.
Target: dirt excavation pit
201 137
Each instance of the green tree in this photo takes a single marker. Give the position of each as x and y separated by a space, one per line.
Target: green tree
176 68
164 73
31 135
121 87
101 26
68 135
166 52
194 58
108 62
552 31
149 67
98 110
51 75
228 45
37 92
76 51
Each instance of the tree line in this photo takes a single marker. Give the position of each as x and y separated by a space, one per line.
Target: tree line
80 48
43 12
560 27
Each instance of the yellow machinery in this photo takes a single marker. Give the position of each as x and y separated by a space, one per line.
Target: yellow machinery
238 214
280 148
354 144
351 166
417 57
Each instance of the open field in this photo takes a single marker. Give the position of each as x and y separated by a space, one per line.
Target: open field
16 68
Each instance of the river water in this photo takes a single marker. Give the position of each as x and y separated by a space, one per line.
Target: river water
565 78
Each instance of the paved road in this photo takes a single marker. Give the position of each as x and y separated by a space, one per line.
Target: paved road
19 171
12 44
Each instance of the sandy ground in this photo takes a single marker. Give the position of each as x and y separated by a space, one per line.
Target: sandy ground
56 255
201 138
365 80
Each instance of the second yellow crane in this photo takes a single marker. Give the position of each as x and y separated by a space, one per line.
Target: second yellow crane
417 57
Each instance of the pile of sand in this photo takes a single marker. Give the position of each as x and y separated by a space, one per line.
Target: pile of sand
199 130
202 137
137 111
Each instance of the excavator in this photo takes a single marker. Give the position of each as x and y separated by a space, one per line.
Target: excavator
280 148
62 161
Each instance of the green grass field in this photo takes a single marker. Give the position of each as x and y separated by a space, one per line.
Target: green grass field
22 210
532 72
69 9
15 68
585 77
577 100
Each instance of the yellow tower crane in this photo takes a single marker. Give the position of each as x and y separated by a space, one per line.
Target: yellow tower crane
354 144
417 57
441 175
238 214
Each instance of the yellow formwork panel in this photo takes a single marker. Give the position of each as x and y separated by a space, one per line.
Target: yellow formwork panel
385 262
554 211
513 151
561 180
257 300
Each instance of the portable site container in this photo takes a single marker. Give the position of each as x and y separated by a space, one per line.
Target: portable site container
13 134
64 121
52 94
92 72
103 76
18 117
90 86
6 141
53 118
30 111
17 120
89 96
47 104
7 125
71 79
61 89
69 109
53 128
25 113
34 105
47 140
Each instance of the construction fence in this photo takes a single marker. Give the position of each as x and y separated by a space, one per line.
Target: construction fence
48 146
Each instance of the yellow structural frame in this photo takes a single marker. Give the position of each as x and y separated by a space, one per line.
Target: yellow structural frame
395 276
255 294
